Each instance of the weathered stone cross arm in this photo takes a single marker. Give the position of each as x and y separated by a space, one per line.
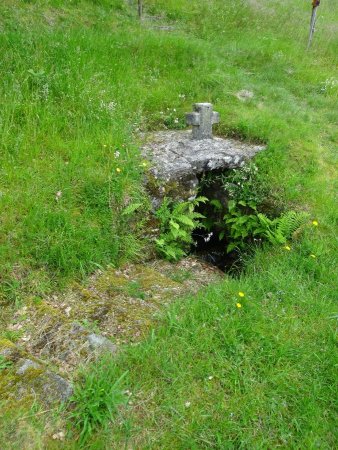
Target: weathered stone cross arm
202 120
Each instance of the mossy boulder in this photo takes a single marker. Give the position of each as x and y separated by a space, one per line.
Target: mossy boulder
25 378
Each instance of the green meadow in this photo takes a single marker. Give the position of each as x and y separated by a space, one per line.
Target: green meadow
80 80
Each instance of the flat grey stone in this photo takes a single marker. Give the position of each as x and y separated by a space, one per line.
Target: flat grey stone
101 344
48 386
56 388
175 155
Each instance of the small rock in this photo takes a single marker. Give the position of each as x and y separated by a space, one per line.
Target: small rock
56 388
77 329
14 327
25 365
48 386
244 95
6 352
101 344
7 349
60 436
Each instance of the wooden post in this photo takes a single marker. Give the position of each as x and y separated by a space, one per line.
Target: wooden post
315 4
140 8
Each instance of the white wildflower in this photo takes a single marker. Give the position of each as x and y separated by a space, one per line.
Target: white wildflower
208 237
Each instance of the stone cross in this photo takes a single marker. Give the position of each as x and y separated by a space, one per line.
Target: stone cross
202 120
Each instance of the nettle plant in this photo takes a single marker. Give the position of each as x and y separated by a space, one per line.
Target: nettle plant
177 222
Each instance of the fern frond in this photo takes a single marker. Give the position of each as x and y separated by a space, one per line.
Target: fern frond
290 222
279 230
186 221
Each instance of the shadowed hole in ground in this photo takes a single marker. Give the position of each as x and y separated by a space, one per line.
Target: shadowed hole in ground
212 250
207 243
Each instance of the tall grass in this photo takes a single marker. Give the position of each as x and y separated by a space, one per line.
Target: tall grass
79 79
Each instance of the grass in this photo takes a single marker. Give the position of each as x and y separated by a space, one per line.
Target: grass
96 399
79 80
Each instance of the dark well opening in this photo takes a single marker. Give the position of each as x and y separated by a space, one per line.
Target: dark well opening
207 243
211 249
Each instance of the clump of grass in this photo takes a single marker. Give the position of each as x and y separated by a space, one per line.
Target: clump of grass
97 398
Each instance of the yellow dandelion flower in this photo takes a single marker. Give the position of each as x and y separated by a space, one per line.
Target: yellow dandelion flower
144 164
118 170
315 223
241 294
313 256
287 248
238 305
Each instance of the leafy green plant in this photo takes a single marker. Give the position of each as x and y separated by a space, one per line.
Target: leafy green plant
244 184
239 217
177 222
240 184
240 224
130 209
96 398
244 223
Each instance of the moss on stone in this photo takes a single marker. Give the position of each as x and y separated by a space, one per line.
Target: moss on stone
43 308
175 189
16 386
9 350
6 344
110 279
36 382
